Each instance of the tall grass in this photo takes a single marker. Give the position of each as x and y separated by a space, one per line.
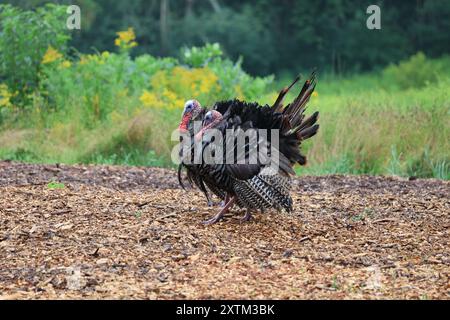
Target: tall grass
395 121
378 138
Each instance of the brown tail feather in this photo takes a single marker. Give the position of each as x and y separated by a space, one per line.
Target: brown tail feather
310 121
299 104
308 132
278 105
295 128
296 108
306 124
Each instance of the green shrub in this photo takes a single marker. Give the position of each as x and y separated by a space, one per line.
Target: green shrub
25 36
416 72
101 82
111 107
199 57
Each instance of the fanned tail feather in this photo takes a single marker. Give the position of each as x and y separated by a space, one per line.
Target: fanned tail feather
278 105
294 127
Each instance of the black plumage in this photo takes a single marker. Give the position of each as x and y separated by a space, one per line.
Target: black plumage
193 174
257 186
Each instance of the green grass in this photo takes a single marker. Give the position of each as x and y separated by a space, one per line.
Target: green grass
369 128
55 185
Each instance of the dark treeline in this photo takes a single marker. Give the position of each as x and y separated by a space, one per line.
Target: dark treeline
272 36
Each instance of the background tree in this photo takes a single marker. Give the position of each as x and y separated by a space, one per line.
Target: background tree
273 36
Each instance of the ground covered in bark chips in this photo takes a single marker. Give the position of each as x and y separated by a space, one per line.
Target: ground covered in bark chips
126 232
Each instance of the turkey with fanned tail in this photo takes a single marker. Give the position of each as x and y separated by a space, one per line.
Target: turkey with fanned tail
254 183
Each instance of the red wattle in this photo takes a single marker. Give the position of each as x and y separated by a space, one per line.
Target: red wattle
184 123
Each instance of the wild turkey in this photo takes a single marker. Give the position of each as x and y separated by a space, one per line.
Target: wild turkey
256 186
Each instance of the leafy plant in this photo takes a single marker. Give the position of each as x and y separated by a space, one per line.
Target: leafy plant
55 185
25 37
200 56
416 72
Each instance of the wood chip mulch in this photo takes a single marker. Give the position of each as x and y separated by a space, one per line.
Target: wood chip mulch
126 232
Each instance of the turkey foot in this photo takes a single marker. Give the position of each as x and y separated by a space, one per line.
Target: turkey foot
247 217
220 214
225 201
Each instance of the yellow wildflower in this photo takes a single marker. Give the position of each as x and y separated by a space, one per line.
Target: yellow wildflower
171 87
315 94
239 92
126 36
170 95
126 39
149 99
5 96
51 55
199 81
65 64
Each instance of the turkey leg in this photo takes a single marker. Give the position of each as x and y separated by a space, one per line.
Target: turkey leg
247 217
220 214
224 202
